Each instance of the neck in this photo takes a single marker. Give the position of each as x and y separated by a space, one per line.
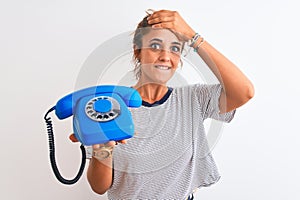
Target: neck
151 92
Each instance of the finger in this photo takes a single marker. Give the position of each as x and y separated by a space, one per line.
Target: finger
160 20
122 141
110 143
107 144
96 146
73 138
167 25
161 13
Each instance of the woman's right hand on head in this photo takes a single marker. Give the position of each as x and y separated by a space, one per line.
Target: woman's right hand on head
171 20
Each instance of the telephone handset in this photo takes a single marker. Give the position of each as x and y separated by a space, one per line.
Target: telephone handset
100 114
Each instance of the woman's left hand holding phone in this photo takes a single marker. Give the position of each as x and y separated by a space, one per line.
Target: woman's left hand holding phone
101 151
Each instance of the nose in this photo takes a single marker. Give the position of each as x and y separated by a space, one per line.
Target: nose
164 56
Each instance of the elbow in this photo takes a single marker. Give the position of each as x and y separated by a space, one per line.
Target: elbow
99 190
98 187
99 177
248 93
238 98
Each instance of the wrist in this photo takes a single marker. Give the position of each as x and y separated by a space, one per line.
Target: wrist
191 34
198 44
102 153
191 42
100 164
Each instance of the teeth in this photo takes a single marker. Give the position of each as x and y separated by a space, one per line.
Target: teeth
162 67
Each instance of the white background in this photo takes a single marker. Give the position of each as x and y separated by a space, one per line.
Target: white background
43 45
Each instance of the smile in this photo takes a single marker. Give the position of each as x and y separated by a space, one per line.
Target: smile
162 67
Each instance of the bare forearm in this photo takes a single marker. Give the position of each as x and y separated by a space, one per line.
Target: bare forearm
237 88
100 174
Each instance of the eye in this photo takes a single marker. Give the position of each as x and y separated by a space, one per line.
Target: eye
155 46
175 49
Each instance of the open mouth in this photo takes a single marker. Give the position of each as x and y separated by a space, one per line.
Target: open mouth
162 67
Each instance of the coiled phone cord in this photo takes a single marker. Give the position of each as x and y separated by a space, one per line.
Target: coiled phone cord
52 153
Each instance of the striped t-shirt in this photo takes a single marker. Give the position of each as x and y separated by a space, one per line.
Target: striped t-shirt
169 157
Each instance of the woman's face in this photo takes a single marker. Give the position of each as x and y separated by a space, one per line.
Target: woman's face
159 56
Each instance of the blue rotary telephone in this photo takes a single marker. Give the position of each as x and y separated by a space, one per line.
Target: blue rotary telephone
100 114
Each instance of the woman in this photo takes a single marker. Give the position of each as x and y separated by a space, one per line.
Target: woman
169 157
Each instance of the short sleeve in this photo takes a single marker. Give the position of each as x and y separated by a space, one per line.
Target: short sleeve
208 97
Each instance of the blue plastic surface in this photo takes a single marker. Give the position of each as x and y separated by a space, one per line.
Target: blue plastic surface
65 106
90 132
102 106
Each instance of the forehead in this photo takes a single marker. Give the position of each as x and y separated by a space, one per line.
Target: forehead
165 35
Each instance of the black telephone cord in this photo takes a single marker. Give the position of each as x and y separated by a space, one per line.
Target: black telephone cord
52 153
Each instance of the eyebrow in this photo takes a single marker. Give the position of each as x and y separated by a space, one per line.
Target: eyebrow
161 41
